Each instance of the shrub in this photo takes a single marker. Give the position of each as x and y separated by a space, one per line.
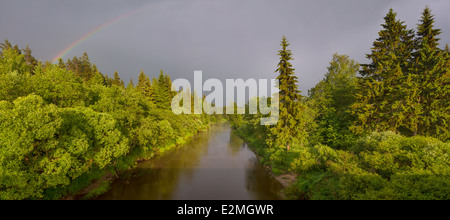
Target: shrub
382 165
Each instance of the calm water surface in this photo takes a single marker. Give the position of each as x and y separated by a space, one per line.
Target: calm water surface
216 164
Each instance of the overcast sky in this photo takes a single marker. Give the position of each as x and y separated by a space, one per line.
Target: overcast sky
225 39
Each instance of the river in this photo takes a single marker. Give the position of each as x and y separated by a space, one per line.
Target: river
213 165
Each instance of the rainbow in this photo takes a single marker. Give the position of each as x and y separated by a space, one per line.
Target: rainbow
94 31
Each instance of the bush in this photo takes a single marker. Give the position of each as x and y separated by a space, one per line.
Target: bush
379 166
43 146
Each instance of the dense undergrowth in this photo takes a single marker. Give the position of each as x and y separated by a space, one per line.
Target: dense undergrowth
66 125
381 165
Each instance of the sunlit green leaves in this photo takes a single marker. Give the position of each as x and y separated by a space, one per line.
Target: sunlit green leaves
58 86
12 61
47 146
379 166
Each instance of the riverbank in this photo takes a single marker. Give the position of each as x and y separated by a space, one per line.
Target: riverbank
285 177
214 165
286 180
102 183
325 173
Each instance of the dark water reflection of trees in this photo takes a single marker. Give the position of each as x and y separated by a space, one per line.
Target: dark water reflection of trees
214 165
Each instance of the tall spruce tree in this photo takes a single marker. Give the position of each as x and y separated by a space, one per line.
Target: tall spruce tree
130 84
74 64
163 94
85 69
386 94
8 45
117 81
30 60
289 127
97 77
144 85
426 33
108 81
154 83
61 63
431 71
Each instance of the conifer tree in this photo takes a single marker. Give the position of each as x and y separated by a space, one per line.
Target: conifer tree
108 81
81 66
431 71
117 81
85 70
154 83
144 85
74 64
289 127
426 33
30 60
168 85
385 96
130 84
162 91
8 45
97 77
61 64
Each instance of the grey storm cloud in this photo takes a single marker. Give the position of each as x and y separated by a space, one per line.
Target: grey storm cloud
225 39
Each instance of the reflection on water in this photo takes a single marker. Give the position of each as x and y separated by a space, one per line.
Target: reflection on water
214 165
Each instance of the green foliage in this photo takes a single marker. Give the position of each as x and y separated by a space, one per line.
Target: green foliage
313 182
81 67
147 134
102 188
385 97
432 76
29 59
332 98
162 91
12 60
144 85
13 85
117 81
290 125
44 146
405 88
383 135
66 125
236 120
165 132
57 86
379 166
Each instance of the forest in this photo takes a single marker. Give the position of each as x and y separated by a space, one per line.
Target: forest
65 125
378 130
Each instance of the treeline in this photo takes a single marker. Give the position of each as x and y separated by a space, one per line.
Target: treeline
65 125
382 134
